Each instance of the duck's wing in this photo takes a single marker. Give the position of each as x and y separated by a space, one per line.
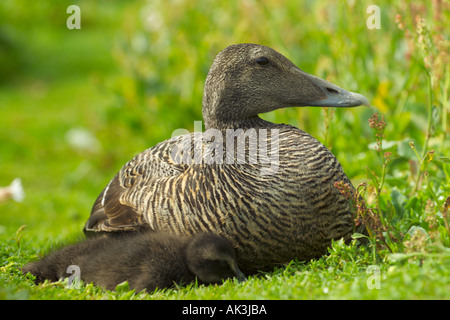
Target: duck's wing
116 208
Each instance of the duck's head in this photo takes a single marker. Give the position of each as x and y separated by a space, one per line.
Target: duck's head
211 258
248 79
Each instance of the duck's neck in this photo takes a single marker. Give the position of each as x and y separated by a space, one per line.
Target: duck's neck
215 116
252 122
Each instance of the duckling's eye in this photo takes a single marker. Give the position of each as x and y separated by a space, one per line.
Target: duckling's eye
262 61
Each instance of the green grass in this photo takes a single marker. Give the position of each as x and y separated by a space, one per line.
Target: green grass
134 73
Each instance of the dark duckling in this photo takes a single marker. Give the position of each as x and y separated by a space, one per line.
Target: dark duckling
272 211
147 260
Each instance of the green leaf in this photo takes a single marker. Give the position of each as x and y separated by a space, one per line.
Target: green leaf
357 235
123 287
373 177
128 295
398 201
398 257
445 236
443 159
404 149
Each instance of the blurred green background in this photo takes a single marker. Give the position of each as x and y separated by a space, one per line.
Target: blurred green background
75 105
135 71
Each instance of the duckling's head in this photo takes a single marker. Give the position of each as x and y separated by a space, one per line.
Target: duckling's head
212 259
248 79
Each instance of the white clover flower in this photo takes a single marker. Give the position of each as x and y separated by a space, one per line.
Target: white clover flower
82 140
13 191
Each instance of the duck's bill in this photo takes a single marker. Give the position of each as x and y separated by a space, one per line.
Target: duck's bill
334 96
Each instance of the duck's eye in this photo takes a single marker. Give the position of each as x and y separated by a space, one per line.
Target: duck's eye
262 61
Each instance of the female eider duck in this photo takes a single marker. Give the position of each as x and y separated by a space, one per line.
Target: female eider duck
268 188
147 260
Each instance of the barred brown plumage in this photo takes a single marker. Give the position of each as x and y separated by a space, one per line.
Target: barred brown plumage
268 188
